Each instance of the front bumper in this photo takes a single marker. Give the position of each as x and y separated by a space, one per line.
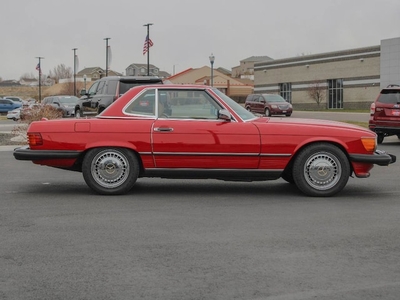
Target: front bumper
380 158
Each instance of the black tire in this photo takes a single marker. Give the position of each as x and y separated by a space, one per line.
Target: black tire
248 108
321 170
398 136
110 171
78 113
288 115
267 112
380 138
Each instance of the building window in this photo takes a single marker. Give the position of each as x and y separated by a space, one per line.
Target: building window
335 93
286 91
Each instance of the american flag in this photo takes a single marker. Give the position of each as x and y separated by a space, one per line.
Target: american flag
38 68
147 44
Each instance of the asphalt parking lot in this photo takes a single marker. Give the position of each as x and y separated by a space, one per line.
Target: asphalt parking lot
207 239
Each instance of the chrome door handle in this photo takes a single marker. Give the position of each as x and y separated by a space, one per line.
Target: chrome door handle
164 129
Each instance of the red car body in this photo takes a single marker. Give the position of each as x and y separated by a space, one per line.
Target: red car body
205 135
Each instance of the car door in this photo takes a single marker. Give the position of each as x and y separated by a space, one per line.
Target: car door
192 136
6 105
90 105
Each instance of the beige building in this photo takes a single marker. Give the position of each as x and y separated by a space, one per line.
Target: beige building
347 79
235 88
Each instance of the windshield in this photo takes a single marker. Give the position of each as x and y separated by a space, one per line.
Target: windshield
273 98
240 110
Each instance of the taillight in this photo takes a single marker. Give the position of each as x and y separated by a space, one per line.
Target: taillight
372 109
35 139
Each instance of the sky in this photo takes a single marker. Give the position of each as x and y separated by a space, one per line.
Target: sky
184 32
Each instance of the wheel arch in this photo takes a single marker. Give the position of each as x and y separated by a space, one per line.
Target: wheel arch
130 147
289 166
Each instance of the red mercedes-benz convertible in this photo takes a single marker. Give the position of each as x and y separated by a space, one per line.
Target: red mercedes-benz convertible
191 131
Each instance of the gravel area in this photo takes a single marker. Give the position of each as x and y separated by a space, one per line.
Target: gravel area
5 140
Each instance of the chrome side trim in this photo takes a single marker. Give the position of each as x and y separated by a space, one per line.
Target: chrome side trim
223 154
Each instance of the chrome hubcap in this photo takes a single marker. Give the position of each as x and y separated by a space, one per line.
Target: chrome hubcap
322 171
110 169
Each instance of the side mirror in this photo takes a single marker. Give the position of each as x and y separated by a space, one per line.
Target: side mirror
224 114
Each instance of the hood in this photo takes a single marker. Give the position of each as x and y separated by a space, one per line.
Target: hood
299 122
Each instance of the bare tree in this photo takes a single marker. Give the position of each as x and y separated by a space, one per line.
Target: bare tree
60 72
28 76
317 91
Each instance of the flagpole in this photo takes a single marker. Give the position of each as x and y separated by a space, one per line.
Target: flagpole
40 75
106 39
148 47
74 49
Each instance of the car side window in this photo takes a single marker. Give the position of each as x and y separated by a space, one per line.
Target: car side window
189 104
143 105
100 87
92 90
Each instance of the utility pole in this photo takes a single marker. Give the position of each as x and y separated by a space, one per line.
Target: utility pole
39 68
148 47
74 49
106 39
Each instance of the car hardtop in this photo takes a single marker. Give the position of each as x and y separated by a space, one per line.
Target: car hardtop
132 79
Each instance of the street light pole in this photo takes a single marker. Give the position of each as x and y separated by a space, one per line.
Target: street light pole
39 68
212 58
106 39
74 49
84 79
148 47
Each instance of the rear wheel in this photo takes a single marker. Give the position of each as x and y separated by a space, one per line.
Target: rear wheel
110 171
321 170
267 112
248 108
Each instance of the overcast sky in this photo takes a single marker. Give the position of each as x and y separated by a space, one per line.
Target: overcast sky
185 32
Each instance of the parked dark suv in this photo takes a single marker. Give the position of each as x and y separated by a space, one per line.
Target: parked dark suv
106 90
385 113
268 104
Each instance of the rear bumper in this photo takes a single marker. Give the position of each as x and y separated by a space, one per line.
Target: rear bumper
25 153
390 130
380 158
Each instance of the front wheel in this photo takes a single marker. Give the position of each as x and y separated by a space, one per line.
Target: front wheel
321 170
110 171
267 112
78 113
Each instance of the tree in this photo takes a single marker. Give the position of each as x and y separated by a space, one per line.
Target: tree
60 72
27 76
317 91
